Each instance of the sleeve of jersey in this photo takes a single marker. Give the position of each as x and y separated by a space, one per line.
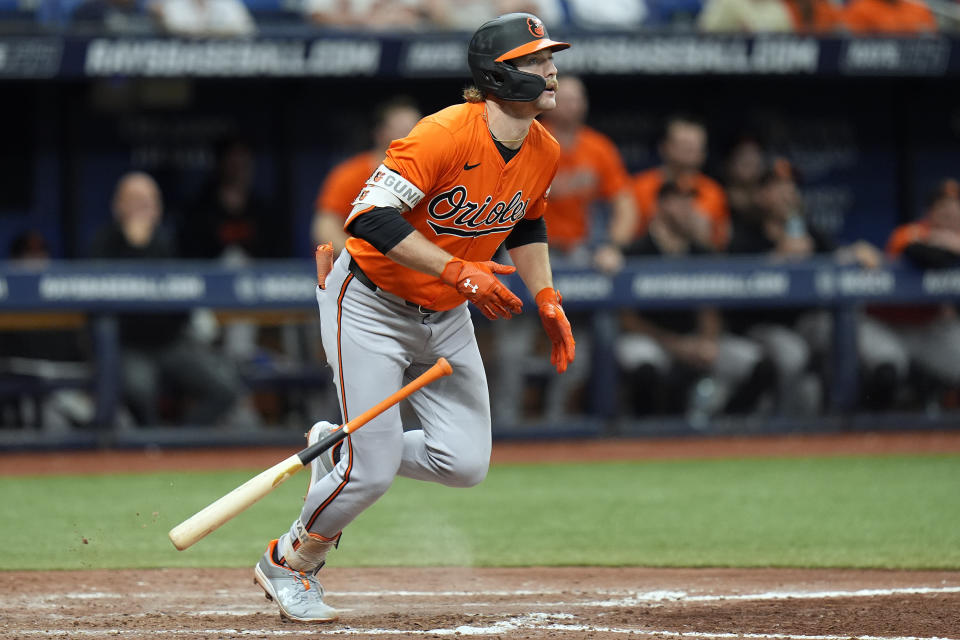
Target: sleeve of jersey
423 156
382 227
527 231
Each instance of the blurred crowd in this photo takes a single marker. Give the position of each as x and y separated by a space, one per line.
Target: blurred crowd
232 18
700 363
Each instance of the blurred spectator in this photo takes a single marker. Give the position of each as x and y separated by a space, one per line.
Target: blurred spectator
205 18
610 14
465 15
769 220
815 16
683 151
744 169
745 16
228 220
590 172
34 354
366 14
158 351
889 16
392 120
418 14
663 352
931 333
794 339
114 16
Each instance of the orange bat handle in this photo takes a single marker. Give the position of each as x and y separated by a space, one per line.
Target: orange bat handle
440 369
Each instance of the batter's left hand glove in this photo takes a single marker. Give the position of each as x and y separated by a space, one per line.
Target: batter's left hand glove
557 326
476 282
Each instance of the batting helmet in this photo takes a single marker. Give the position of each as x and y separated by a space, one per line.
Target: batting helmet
500 40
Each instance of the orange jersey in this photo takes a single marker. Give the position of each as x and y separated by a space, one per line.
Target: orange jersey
588 170
471 201
344 182
711 200
905 235
822 16
880 16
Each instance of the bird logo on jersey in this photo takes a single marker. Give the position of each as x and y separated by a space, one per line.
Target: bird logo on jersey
453 213
535 27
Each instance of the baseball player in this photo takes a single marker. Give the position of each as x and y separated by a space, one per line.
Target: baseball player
424 229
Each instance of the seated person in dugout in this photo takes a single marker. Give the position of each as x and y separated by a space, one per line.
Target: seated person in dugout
157 350
930 333
668 355
798 339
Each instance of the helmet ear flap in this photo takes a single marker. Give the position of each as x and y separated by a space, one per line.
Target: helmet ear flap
496 78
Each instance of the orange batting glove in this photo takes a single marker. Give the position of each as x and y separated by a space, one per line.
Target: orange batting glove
557 326
475 282
324 257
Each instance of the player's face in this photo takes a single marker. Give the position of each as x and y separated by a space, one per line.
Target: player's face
541 64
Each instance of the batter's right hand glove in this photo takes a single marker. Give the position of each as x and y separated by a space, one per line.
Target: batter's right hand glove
557 326
475 282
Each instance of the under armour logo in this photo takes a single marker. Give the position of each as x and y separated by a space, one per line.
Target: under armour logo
469 285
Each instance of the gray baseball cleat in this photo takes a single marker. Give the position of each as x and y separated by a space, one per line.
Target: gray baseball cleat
299 595
326 461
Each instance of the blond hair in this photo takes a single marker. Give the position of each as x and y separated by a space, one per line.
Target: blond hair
472 94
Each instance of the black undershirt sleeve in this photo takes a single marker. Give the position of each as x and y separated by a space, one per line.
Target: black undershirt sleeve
527 232
383 227
927 256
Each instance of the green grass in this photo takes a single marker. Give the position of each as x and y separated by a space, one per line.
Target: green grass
893 512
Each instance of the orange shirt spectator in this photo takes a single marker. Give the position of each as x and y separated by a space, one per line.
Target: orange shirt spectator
344 182
889 16
392 120
589 170
710 200
939 228
815 16
905 235
683 151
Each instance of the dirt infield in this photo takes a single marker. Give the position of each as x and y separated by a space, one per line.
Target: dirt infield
529 603
533 603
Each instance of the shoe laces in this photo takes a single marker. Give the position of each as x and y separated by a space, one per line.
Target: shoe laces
308 587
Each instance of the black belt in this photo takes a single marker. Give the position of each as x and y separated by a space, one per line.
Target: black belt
365 280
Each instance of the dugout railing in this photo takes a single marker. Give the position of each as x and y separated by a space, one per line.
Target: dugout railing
101 289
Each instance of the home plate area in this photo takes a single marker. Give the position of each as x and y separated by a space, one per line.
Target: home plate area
582 602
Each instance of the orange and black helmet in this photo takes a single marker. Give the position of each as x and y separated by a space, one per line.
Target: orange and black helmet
500 40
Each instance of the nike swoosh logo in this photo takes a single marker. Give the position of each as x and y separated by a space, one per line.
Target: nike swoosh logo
467 166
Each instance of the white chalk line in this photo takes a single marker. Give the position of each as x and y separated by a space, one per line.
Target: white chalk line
620 599
529 622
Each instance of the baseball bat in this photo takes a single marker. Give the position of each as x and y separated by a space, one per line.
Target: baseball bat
218 513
